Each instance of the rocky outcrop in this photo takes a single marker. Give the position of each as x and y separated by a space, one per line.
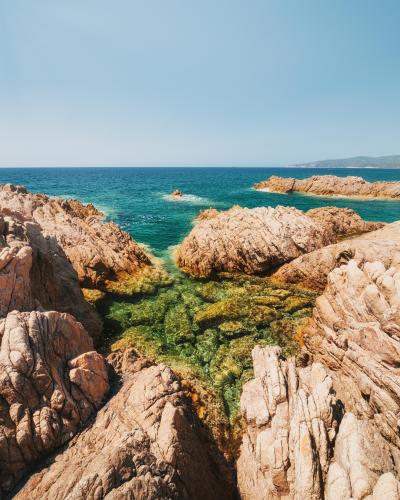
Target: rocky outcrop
329 428
342 222
36 274
331 185
99 251
290 413
249 240
311 270
51 383
355 332
145 443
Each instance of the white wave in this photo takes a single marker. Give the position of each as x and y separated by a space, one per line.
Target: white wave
193 199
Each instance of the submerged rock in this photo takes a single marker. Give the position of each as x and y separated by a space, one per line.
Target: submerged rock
145 443
99 251
51 383
249 240
331 185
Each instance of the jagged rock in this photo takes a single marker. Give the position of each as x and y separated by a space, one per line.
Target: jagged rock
355 331
342 221
298 446
98 251
311 270
331 185
35 273
145 443
290 415
51 382
208 213
249 240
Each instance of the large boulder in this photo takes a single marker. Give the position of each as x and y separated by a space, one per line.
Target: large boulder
311 270
326 424
51 383
36 274
331 185
249 240
145 443
99 251
291 427
342 222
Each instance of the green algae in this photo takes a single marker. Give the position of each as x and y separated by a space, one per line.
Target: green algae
209 328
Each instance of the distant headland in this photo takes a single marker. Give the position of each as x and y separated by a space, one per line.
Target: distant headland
356 162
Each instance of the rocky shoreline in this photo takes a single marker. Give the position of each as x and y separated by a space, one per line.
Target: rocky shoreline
318 414
331 185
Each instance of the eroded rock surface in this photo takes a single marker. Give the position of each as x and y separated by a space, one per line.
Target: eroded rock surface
51 383
291 420
331 185
311 270
144 443
342 222
98 251
329 428
249 240
36 274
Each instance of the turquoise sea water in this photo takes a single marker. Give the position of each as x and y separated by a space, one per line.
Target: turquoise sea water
137 198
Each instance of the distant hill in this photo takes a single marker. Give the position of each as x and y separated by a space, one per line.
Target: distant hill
357 161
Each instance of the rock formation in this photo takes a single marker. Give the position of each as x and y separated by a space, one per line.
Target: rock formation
331 185
97 250
249 240
176 195
329 429
145 443
51 382
342 222
311 270
259 239
36 274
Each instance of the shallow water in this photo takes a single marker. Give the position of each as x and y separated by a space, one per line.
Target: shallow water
138 198
204 329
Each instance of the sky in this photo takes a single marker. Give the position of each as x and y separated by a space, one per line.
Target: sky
189 82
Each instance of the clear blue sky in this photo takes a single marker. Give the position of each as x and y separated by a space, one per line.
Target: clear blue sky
197 82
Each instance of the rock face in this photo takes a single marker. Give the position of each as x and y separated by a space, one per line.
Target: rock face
145 443
35 273
291 420
342 222
249 240
330 429
51 382
98 251
311 270
331 185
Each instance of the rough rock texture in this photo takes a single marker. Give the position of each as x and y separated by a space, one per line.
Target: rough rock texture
98 251
145 443
331 185
342 222
311 270
290 414
51 382
249 240
35 273
352 389
355 331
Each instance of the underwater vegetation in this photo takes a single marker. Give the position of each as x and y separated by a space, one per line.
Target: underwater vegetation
206 330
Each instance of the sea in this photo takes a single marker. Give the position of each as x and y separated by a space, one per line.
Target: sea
138 199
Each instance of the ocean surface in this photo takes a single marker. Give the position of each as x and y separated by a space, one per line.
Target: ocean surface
138 198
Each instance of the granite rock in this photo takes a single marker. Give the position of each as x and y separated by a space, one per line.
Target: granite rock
331 185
